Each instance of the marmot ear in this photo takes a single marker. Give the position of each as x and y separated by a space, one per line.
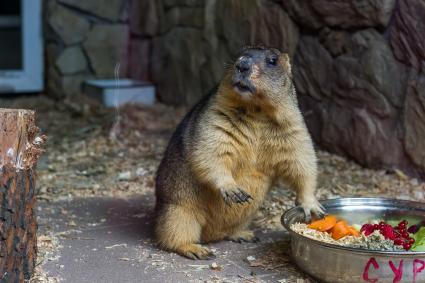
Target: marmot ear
287 64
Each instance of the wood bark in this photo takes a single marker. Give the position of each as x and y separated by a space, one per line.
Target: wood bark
20 147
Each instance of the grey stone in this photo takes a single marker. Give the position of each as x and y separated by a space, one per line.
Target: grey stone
313 116
335 41
144 17
254 22
302 13
68 25
71 61
213 69
210 33
197 42
382 70
354 13
125 11
352 89
191 17
52 52
61 86
140 54
178 57
407 33
414 121
173 3
372 138
313 66
346 14
50 5
182 16
72 85
54 85
234 23
217 53
106 46
106 9
273 27
368 73
362 136
364 71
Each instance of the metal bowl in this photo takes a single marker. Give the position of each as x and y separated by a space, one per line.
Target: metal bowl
331 263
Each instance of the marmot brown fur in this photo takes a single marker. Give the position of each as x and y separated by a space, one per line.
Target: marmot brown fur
228 151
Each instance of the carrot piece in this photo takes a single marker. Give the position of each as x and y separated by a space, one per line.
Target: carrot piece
340 230
324 224
353 231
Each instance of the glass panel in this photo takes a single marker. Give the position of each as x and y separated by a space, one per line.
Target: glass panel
11 35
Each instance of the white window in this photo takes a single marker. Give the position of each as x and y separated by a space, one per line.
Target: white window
21 51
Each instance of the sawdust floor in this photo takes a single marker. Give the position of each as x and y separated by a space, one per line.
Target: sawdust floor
96 194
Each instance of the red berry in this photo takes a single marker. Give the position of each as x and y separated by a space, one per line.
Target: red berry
407 246
388 232
366 226
405 235
398 242
375 227
402 224
411 241
367 229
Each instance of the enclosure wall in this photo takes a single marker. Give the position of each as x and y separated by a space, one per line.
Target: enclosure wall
358 65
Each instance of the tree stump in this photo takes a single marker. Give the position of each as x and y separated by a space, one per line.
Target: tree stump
20 147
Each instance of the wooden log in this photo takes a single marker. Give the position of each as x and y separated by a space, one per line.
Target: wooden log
20 147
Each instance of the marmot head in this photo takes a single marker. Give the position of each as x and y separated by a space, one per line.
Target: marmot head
261 72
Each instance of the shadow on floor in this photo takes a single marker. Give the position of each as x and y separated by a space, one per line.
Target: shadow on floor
111 240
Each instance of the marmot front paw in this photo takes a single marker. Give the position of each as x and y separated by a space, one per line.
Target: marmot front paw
312 205
195 251
236 195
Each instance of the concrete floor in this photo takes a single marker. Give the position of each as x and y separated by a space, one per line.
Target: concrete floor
110 240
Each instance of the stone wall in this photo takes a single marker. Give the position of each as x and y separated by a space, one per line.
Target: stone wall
358 65
86 39
194 39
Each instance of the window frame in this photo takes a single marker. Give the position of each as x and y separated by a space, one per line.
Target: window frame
31 77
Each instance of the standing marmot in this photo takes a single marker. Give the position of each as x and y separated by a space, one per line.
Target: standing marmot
228 151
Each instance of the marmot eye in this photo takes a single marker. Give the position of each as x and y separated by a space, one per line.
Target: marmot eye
271 61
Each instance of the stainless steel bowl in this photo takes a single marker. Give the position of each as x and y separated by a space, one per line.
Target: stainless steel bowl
332 263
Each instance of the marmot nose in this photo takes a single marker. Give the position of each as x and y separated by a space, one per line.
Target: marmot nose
243 64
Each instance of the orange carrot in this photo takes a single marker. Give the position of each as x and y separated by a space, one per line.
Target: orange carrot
324 224
353 232
340 230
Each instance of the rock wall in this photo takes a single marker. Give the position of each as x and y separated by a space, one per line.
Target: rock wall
358 65
194 39
87 39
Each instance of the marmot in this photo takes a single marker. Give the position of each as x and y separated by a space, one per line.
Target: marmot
228 151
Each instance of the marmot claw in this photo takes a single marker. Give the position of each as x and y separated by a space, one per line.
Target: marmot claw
315 207
235 196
